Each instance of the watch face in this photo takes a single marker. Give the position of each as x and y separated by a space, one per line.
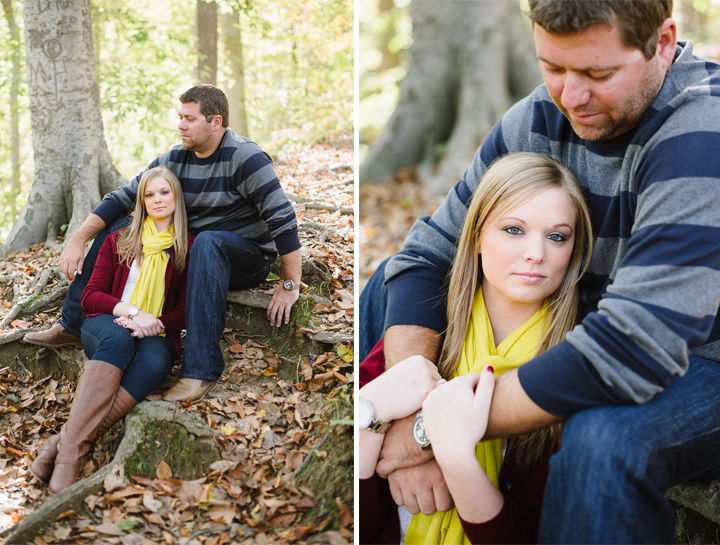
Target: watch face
365 414
288 284
418 432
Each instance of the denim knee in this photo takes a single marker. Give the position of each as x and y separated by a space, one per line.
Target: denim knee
598 443
104 340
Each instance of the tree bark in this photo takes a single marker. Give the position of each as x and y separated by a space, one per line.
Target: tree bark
471 60
206 34
14 92
235 88
73 168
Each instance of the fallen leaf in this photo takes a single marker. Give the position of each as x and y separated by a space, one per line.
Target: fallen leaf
150 502
163 470
109 529
115 479
227 430
20 324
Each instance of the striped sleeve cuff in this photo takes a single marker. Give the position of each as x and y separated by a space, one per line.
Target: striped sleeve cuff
562 381
416 299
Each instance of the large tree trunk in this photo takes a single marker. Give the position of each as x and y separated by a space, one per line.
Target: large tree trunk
206 34
73 168
235 88
14 92
471 60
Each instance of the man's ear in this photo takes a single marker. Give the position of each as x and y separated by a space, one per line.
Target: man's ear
667 40
217 122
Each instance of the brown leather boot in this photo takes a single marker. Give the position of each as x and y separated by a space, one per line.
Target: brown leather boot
55 337
93 400
189 390
44 464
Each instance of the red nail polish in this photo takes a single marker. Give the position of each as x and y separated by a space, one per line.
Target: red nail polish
490 368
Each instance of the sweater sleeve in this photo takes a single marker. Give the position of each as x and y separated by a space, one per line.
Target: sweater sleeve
96 298
256 180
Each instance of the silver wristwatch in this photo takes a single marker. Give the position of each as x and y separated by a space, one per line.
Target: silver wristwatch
289 285
366 418
133 311
418 432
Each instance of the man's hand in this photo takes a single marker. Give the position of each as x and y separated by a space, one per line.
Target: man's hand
73 256
71 260
281 304
420 489
400 450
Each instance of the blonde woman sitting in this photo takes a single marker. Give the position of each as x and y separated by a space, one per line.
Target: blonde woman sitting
134 305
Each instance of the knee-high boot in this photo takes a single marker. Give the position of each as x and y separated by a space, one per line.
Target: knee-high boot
93 400
42 466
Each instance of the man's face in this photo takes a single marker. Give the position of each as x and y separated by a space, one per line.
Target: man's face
196 133
601 86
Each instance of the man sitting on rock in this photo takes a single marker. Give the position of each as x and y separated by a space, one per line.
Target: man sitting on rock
242 219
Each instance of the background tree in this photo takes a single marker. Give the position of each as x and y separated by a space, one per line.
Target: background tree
471 60
206 35
235 84
15 45
73 168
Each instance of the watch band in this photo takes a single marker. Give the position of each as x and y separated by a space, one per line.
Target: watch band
380 427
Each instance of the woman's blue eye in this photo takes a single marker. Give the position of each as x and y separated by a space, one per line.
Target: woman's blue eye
556 237
513 231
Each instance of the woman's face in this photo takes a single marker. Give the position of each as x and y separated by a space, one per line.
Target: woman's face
525 251
159 200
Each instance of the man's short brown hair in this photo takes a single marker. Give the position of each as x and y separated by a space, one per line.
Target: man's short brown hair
639 19
211 99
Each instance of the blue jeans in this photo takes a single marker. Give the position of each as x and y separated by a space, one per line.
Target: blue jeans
144 362
72 312
370 321
608 482
219 261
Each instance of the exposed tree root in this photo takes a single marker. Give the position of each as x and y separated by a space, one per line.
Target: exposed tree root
36 301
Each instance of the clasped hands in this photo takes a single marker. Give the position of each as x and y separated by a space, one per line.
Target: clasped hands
142 325
455 416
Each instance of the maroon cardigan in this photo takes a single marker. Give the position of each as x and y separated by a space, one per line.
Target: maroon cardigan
517 522
107 283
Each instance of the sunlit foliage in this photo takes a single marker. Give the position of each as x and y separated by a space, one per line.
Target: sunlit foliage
298 78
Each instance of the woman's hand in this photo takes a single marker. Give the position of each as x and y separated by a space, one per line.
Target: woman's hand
400 390
142 325
456 414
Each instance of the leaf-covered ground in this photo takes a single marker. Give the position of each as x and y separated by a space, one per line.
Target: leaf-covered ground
272 430
387 212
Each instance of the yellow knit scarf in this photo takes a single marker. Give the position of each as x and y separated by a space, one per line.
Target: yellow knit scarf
479 351
149 292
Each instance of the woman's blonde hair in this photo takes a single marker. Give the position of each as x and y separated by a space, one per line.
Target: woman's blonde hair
129 246
510 182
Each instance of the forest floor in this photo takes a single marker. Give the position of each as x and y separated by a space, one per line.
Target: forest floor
271 428
387 212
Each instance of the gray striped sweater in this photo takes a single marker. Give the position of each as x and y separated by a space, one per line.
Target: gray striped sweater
234 189
653 288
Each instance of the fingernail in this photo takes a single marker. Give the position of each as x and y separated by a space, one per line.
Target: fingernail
490 368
